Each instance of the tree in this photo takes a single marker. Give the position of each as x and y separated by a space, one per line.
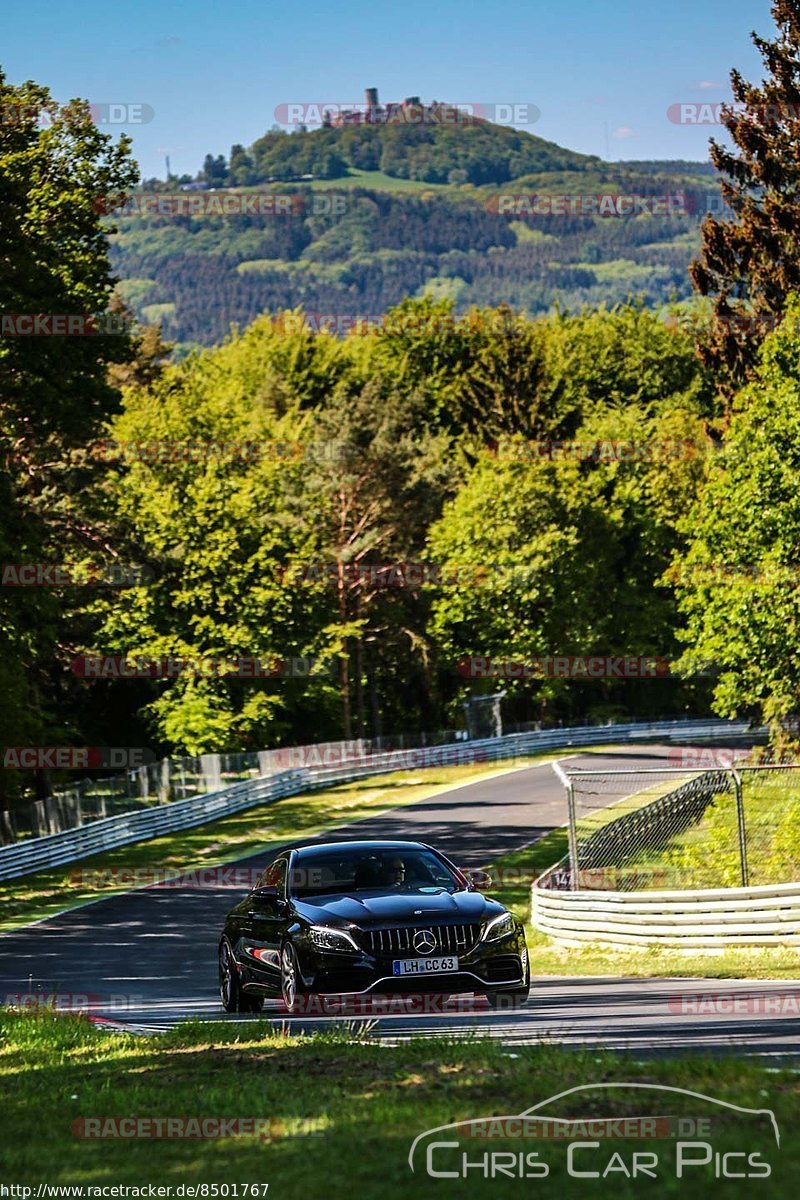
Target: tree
569 550
215 170
147 352
241 167
54 390
209 508
739 582
375 481
750 263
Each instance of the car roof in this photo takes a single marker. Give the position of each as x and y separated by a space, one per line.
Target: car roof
362 845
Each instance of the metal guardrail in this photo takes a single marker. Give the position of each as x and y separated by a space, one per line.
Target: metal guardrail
144 787
35 854
707 919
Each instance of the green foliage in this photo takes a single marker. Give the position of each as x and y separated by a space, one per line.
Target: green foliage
749 263
216 529
383 243
414 443
477 153
54 393
739 582
394 439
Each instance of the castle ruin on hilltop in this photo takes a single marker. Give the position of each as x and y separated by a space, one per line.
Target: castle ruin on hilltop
410 111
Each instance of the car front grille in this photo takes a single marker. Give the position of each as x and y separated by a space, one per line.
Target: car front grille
450 939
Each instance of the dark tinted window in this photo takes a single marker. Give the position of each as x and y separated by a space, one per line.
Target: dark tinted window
346 871
275 875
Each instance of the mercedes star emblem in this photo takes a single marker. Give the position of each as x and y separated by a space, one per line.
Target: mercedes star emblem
424 941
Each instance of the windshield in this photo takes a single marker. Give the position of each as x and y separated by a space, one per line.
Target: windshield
348 871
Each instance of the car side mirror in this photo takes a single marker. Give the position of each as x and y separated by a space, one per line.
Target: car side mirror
476 880
270 894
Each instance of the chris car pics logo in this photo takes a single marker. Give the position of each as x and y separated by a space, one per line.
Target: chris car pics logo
654 1132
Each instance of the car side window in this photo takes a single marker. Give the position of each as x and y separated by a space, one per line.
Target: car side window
275 876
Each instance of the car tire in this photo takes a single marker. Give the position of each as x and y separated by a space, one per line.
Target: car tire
234 998
293 991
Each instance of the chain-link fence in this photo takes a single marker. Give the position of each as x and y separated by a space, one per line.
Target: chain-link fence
681 827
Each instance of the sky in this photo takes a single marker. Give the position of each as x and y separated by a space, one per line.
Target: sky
194 77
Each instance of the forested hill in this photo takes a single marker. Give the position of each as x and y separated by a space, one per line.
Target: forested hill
381 212
477 153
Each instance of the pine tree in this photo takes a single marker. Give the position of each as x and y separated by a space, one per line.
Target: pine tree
750 262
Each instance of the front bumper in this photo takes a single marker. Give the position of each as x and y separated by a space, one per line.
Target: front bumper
497 964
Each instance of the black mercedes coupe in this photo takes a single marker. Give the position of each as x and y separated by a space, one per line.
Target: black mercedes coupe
358 918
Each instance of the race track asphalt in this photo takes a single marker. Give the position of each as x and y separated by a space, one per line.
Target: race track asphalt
147 958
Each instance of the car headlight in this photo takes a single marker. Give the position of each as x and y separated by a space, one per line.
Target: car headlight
498 927
331 939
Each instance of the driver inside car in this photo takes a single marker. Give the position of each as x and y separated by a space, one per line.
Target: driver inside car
394 873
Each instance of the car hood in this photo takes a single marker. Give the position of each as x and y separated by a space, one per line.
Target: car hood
384 908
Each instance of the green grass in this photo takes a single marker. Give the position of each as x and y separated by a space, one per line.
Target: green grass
343 1111
234 837
623 269
377 181
707 854
529 233
158 312
230 838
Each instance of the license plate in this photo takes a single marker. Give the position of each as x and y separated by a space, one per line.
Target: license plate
424 966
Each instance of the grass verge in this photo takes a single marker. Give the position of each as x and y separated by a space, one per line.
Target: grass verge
343 1112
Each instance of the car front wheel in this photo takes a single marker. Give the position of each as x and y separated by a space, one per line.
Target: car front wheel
234 998
293 990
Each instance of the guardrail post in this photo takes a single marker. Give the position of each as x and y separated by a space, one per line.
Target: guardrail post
737 783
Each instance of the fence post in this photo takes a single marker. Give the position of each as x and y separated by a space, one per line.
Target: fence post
572 832
737 783
573 838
